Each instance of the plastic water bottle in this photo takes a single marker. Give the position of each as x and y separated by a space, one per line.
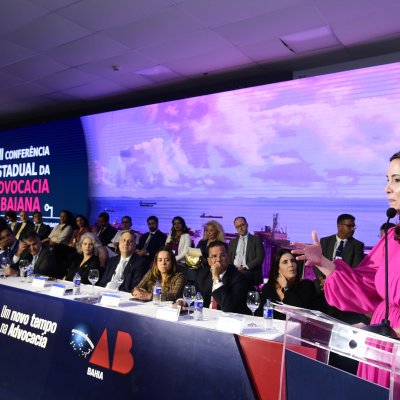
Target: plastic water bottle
77 284
29 273
268 315
157 290
198 307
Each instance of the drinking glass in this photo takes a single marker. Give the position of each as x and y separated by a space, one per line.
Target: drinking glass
5 263
189 293
253 302
118 283
93 278
23 266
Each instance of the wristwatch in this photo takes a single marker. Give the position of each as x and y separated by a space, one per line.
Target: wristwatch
284 290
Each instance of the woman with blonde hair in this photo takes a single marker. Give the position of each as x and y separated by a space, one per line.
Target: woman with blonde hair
164 270
213 231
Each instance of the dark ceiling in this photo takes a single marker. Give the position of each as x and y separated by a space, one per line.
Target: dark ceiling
65 57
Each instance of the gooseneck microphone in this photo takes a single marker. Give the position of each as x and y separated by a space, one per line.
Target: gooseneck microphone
384 327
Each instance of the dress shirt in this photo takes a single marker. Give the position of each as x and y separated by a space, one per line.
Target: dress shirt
240 257
337 244
118 274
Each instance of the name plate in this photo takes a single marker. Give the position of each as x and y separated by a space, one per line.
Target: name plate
230 324
167 313
57 289
110 299
40 281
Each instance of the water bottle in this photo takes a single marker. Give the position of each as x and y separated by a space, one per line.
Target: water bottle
29 273
77 284
268 314
198 307
157 293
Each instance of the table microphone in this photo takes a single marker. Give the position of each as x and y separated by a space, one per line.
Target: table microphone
384 328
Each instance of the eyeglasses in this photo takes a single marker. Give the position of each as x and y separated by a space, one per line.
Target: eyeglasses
240 226
215 256
349 226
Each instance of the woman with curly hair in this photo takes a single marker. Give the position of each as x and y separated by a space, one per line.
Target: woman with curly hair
164 271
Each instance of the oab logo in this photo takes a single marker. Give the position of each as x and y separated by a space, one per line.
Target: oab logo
122 359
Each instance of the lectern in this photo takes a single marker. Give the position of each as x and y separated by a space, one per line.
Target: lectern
301 376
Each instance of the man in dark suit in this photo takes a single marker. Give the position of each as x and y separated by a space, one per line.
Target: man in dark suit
42 230
247 252
106 231
25 227
343 245
8 242
43 259
222 285
152 241
124 272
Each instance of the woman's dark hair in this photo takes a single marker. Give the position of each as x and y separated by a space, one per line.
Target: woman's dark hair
274 271
84 219
70 220
184 227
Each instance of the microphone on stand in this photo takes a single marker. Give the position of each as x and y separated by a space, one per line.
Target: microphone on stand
384 328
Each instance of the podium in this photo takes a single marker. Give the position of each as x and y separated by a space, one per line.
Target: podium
301 376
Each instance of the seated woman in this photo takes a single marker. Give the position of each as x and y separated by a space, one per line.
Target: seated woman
179 239
284 285
82 224
86 259
163 270
212 231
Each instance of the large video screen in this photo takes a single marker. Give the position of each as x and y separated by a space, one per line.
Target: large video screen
305 151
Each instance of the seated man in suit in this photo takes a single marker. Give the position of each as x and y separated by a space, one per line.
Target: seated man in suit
222 285
246 252
341 245
8 242
152 241
125 271
26 226
106 231
31 249
43 230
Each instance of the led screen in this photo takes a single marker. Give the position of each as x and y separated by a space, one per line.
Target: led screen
307 150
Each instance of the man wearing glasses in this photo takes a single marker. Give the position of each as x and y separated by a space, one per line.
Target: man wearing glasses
223 287
343 245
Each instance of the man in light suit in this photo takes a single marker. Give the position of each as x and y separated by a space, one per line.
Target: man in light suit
128 267
247 252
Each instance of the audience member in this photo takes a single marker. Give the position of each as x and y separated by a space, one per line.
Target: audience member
247 252
106 231
8 243
11 217
43 259
25 227
43 230
127 268
222 285
164 271
61 233
152 241
82 224
284 284
87 258
126 225
367 281
383 227
179 239
213 231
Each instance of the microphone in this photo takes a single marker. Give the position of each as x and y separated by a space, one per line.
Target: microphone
384 328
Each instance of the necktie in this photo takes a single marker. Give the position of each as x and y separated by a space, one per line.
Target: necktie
147 241
37 228
35 257
339 250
